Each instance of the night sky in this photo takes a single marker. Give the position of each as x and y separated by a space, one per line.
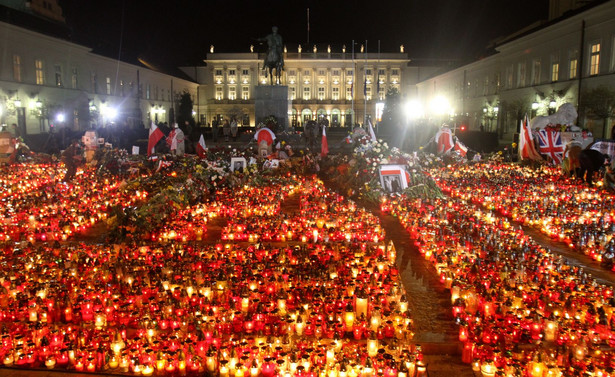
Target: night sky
176 33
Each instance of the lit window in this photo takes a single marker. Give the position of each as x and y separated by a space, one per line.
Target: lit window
231 72
245 72
368 93
17 68
232 93
349 93
293 93
218 72
336 73
335 94
368 72
394 72
381 72
245 92
573 68
321 73
594 59
349 72
108 81
321 93
40 73
554 72
306 94
218 93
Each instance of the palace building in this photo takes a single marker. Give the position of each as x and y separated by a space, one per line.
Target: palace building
343 86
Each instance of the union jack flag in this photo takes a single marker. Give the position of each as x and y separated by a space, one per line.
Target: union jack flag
551 144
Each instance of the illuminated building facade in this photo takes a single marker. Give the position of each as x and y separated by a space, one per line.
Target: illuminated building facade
344 87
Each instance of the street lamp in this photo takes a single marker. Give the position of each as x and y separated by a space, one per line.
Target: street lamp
60 117
413 110
441 107
534 108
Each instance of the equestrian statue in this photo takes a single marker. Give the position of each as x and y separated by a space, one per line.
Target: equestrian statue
274 58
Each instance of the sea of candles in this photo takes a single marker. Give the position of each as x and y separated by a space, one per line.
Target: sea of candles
330 305
563 208
522 310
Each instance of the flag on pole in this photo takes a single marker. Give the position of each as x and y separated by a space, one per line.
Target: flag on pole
371 130
444 140
324 148
200 147
460 148
155 135
365 86
527 149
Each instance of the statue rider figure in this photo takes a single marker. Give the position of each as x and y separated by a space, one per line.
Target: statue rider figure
275 56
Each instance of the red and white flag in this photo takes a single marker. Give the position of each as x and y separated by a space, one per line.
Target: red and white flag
371 130
527 149
324 148
460 148
444 140
155 135
200 147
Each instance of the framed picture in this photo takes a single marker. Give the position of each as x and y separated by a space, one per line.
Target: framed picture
393 178
271 164
238 164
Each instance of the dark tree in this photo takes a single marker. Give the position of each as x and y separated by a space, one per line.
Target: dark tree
599 104
184 110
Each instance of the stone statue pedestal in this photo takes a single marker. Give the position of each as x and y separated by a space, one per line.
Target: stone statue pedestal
272 100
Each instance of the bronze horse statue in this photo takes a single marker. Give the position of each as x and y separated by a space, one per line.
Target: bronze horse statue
272 64
274 58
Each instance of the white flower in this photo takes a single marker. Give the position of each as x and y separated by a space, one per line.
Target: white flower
375 164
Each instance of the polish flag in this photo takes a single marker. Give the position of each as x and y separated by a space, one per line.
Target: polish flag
371 130
527 149
200 147
461 149
155 135
444 140
324 148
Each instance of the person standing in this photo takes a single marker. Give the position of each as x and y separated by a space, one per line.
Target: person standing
234 129
71 158
214 130
178 146
226 129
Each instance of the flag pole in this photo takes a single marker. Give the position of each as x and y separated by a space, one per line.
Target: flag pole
352 88
365 86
